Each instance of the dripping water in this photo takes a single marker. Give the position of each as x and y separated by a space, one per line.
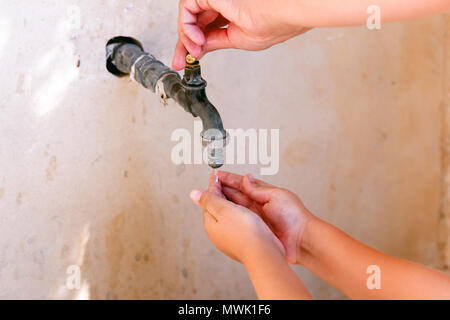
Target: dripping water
216 175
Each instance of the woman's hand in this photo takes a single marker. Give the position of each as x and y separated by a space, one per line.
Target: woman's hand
282 210
235 230
208 25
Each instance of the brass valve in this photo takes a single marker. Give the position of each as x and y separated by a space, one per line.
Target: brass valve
190 59
192 79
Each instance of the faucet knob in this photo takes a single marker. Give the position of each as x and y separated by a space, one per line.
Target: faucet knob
190 59
192 78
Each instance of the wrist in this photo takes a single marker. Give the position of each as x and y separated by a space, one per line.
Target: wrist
272 277
294 13
261 255
309 237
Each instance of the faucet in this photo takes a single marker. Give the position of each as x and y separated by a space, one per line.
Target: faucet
125 56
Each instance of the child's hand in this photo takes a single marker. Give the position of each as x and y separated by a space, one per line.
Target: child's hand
282 210
235 230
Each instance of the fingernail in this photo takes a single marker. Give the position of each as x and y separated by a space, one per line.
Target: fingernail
250 178
196 195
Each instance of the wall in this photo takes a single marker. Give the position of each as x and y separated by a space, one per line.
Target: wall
85 171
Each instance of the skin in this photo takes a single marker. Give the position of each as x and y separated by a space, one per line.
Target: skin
252 221
208 25
244 236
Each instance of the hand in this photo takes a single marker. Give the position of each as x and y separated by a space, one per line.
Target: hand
252 25
235 230
282 210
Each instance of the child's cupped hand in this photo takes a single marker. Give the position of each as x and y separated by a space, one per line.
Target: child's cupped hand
245 217
235 230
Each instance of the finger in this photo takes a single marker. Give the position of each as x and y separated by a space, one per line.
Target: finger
194 33
179 60
210 202
190 35
222 6
214 204
215 186
241 199
255 191
206 18
233 180
208 220
217 39
188 24
207 216
191 47
237 197
220 22
196 195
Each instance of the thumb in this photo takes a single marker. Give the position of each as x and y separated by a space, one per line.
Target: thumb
257 192
210 202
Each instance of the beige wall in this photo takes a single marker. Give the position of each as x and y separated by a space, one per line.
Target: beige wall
85 172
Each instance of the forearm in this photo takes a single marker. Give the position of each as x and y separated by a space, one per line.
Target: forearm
343 262
336 13
273 279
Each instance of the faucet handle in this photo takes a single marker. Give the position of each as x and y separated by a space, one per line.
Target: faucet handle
192 78
190 59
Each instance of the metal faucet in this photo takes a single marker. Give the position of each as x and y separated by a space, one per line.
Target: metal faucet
125 56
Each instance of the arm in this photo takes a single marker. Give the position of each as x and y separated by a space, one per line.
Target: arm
341 13
208 25
343 261
273 279
243 236
328 252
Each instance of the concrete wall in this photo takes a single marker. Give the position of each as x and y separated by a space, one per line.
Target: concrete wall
85 172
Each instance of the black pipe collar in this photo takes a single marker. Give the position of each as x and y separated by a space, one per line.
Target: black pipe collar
111 47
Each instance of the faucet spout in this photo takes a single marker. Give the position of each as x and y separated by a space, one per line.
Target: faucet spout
126 57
